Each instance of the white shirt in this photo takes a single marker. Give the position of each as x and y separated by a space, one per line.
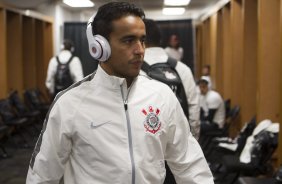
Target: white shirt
90 136
75 69
155 55
175 53
213 100
208 79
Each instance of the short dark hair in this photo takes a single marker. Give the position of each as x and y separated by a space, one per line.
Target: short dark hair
68 44
102 23
153 34
203 81
207 66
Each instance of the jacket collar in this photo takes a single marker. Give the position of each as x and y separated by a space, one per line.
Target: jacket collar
155 55
108 81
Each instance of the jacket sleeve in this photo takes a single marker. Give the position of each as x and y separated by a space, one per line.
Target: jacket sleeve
183 153
51 152
192 97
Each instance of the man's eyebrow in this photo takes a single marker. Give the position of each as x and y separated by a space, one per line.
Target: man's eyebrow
128 37
132 37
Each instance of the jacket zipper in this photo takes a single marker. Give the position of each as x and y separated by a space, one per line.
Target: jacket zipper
125 102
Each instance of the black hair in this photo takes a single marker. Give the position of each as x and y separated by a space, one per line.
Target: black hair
207 66
68 44
153 34
102 23
203 81
170 38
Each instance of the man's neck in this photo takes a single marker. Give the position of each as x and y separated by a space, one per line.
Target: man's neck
129 81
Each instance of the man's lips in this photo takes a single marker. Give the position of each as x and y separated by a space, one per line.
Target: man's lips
137 63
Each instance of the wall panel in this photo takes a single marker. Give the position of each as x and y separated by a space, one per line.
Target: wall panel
213 48
199 51
14 51
219 54
269 62
39 57
227 52
47 51
237 51
248 104
206 42
29 52
280 118
3 54
25 49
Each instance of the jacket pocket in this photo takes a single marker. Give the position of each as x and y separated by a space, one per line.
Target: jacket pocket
153 171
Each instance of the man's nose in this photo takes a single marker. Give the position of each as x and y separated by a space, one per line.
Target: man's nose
139 48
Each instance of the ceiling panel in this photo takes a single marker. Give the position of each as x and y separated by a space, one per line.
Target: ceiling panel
145 4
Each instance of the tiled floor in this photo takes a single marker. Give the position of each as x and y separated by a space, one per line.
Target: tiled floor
13 169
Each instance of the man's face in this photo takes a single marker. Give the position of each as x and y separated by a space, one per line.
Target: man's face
203 88
205 71
127 47
174 42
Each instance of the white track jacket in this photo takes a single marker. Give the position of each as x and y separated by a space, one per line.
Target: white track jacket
99 131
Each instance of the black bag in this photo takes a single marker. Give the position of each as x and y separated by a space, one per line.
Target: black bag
265 143
63 77
166 73
278 175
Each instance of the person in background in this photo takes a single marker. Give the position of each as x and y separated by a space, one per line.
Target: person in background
63 69
154 53
174 49
212 113
116 126
206 71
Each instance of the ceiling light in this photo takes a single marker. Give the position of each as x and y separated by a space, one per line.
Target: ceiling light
173 11
79 3
176 2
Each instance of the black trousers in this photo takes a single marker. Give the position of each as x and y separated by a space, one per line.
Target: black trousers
207 127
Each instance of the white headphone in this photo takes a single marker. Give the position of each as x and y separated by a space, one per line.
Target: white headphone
99 47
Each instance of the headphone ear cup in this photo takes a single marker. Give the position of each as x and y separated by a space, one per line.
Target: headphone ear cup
99 47
104 49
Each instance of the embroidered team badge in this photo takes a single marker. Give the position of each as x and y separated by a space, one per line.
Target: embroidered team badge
152 123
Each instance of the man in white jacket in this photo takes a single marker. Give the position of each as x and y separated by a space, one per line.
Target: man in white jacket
116 126
156 54
64 57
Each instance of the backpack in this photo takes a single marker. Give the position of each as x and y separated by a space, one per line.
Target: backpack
63 77
265 143
166 73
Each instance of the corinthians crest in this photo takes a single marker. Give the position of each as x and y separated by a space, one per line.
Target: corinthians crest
152 123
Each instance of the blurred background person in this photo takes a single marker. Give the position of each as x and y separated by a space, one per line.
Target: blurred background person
156 57
206 71
155 54
212 108
174 49
64 69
